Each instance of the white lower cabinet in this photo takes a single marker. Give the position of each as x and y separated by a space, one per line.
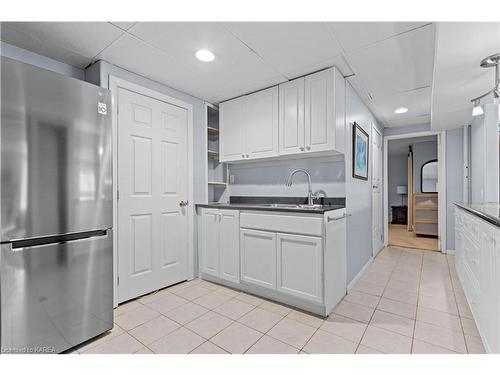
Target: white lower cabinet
219 246
477 262
294 258
299 260
258 258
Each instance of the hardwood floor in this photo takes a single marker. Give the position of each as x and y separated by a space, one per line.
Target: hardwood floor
400 236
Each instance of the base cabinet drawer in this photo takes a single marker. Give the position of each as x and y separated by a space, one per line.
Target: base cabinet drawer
299 272
258 258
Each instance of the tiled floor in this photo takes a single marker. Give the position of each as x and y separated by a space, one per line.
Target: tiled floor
408 301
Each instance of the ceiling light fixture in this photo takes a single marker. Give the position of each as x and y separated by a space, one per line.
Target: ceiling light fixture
205 55
492 61
401 110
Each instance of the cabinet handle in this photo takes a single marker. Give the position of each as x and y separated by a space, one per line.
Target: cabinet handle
243 156
337 218
308 148
248 156
301 148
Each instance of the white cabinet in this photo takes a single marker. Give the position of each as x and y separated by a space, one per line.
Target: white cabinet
232 130
291 117
300 117
258 258
324 113
220 243
210 242
261 124
229 245
249 126
477 261
299 260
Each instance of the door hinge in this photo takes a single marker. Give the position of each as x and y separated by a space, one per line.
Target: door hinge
117 194
118 280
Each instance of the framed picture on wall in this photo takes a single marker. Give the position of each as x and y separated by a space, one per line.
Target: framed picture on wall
360 143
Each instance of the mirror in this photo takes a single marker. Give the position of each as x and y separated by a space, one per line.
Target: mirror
429 177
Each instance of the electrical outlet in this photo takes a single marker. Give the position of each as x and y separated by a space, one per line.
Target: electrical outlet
231 178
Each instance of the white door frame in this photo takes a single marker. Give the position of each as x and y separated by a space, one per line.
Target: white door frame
441 135
115 84
375 129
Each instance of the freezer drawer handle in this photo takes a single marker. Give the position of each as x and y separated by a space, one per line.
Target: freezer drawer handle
19 245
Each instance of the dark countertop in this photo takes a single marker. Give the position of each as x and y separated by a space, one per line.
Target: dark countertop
486 211
259 204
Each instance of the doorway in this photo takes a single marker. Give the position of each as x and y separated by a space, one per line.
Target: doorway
414 190
153 169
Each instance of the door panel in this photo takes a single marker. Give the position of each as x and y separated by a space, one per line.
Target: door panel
319 121
291 118
210 242
300 266
377 219
232 142
261 124
229 235
258 253
152 180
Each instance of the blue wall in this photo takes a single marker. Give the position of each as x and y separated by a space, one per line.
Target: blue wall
358 192
454 180
397 166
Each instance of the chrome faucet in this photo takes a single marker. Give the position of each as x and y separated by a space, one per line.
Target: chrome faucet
310 195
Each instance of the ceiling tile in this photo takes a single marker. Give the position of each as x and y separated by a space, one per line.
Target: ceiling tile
123 25
398 64
410 120
293 48
418 103
34 44
235 71
85 39
354 35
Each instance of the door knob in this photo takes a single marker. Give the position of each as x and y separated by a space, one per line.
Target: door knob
183 203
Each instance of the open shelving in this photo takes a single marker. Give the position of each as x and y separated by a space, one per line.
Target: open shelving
217 172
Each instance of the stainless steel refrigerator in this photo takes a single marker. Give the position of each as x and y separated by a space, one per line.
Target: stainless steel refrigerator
56 260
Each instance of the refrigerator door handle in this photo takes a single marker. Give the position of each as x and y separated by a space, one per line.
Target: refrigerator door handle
22 244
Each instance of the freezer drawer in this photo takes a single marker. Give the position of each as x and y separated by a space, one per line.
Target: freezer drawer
55 296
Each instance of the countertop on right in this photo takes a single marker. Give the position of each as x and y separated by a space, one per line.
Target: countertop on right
486 211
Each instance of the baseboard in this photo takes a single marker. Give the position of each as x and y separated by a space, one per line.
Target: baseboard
358 276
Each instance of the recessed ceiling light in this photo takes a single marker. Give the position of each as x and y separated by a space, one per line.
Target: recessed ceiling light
401 110
205 55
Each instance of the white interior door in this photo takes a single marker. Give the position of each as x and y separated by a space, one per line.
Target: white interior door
152 183
377 221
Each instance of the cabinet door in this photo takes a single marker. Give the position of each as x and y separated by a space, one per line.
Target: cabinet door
300 262
258 258
319 111
229 229
291 117
210 242
232 146
261 124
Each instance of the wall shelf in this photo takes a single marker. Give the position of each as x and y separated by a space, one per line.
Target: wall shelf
216 172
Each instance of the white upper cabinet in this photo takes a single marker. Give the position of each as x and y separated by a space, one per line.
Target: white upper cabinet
324 113
303 116
261 124
232 141
291 117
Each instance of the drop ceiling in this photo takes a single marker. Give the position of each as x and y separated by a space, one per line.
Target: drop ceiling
389 64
